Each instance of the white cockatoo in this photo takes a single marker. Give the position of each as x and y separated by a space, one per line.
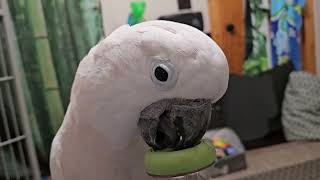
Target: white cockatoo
134 67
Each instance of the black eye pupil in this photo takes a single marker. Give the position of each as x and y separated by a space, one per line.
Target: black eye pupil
161 74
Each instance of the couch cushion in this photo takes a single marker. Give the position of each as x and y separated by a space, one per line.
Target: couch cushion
301 107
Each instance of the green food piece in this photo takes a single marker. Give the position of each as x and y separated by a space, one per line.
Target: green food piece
176 163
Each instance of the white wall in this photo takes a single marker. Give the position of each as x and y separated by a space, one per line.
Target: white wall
115 12
317 26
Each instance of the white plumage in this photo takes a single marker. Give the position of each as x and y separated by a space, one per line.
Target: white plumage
99 138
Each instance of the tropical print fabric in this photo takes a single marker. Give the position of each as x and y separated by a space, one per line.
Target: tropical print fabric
286 22
258 37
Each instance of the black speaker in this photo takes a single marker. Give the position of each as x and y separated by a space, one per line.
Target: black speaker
184 4
193 19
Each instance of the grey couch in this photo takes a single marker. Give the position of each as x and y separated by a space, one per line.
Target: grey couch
288 161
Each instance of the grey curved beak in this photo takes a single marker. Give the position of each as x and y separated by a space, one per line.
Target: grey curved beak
175 123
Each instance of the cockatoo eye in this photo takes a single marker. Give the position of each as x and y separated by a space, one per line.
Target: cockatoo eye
163 74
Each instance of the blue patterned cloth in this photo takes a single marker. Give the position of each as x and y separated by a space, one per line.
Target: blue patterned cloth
286 22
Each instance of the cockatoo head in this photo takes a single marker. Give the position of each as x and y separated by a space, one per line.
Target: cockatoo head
147 78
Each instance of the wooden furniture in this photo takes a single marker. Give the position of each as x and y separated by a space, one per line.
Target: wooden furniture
228 30
308 38
317 32
227 18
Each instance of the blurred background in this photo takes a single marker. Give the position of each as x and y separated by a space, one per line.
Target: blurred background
272 104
